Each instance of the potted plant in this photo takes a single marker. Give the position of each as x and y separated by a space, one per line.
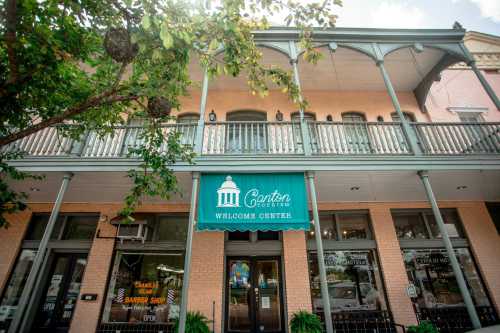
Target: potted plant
305 322
196 322
423 327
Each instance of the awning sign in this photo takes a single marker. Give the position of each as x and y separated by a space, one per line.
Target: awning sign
251 202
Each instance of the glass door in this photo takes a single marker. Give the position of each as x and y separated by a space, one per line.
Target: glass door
60 294
254 298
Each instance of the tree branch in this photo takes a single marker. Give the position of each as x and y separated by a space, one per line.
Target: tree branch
99 100
10 38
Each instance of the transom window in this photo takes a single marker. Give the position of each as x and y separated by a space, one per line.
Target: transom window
344 226
188 118
421 224
308 116
67 227
353 117
246 115
408 116
470 117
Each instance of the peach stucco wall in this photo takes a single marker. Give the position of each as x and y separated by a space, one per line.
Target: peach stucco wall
461 88
322 103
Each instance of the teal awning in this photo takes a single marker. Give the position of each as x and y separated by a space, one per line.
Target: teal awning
252 202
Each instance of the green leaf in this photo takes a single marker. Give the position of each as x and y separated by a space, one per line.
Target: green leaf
146 22
168 40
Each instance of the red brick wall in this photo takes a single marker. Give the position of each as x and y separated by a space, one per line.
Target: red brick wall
392 266
10 243
485 245
206 283
95 279
298 292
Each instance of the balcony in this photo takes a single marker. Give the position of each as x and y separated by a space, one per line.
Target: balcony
274 139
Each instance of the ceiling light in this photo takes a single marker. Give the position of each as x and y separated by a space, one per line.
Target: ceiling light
355 188
461 187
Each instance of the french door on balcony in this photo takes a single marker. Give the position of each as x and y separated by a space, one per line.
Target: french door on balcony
254 301
246 132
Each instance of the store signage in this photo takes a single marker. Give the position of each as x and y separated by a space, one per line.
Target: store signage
251 202
88 297
432 259
411 290
346 260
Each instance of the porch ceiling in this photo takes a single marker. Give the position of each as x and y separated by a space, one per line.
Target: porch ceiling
344 69
332 186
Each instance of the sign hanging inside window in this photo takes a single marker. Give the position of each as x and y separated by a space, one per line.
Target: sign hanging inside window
251 202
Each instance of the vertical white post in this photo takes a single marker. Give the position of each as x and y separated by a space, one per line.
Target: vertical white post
321 257
424 176
200 129
187 259
306 140
27 294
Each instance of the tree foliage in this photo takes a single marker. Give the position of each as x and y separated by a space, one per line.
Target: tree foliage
93 64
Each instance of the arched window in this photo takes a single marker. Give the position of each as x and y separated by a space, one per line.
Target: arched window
353 117
408 116
246 115
308 116
188 117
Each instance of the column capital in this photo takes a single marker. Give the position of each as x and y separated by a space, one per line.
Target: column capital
68 175
423 173
196 175
310 174
294 61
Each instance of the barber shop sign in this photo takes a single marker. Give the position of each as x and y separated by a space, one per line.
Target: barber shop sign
251 202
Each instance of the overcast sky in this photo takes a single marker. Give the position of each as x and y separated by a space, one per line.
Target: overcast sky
477 15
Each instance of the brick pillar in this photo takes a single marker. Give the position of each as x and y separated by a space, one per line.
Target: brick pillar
10 243
206 283
392 265
485 245
298 290
95 279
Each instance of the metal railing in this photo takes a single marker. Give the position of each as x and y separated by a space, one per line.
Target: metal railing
361 321
358 138
279 139
456 319
458 138
252 137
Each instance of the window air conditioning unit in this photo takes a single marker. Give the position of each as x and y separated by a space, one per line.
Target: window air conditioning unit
132 231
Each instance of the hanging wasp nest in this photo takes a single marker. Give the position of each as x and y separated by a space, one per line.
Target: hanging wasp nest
119 46
158 107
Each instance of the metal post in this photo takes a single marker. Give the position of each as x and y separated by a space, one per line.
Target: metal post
485 84
408 131
321 258
26 296
198 145
306 140
449 249
187 259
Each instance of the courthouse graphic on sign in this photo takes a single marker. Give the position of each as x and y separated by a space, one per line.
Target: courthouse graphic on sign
228 194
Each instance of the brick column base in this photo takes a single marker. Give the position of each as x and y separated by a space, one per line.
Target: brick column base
298 290
392 265
206 283
87 313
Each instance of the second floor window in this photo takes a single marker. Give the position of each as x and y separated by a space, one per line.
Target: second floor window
68 227
408 117
344 226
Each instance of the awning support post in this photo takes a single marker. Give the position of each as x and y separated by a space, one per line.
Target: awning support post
424 176
187 259
321 258
200 129
27 294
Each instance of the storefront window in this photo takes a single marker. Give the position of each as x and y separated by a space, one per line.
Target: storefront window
431 273
15 287
353 278
172 228
146 288
422 225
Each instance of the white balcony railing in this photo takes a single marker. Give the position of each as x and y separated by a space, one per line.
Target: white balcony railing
278 139
458 138
358 138
252 137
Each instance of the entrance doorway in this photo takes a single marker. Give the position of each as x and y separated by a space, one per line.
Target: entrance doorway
60 293
254 296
